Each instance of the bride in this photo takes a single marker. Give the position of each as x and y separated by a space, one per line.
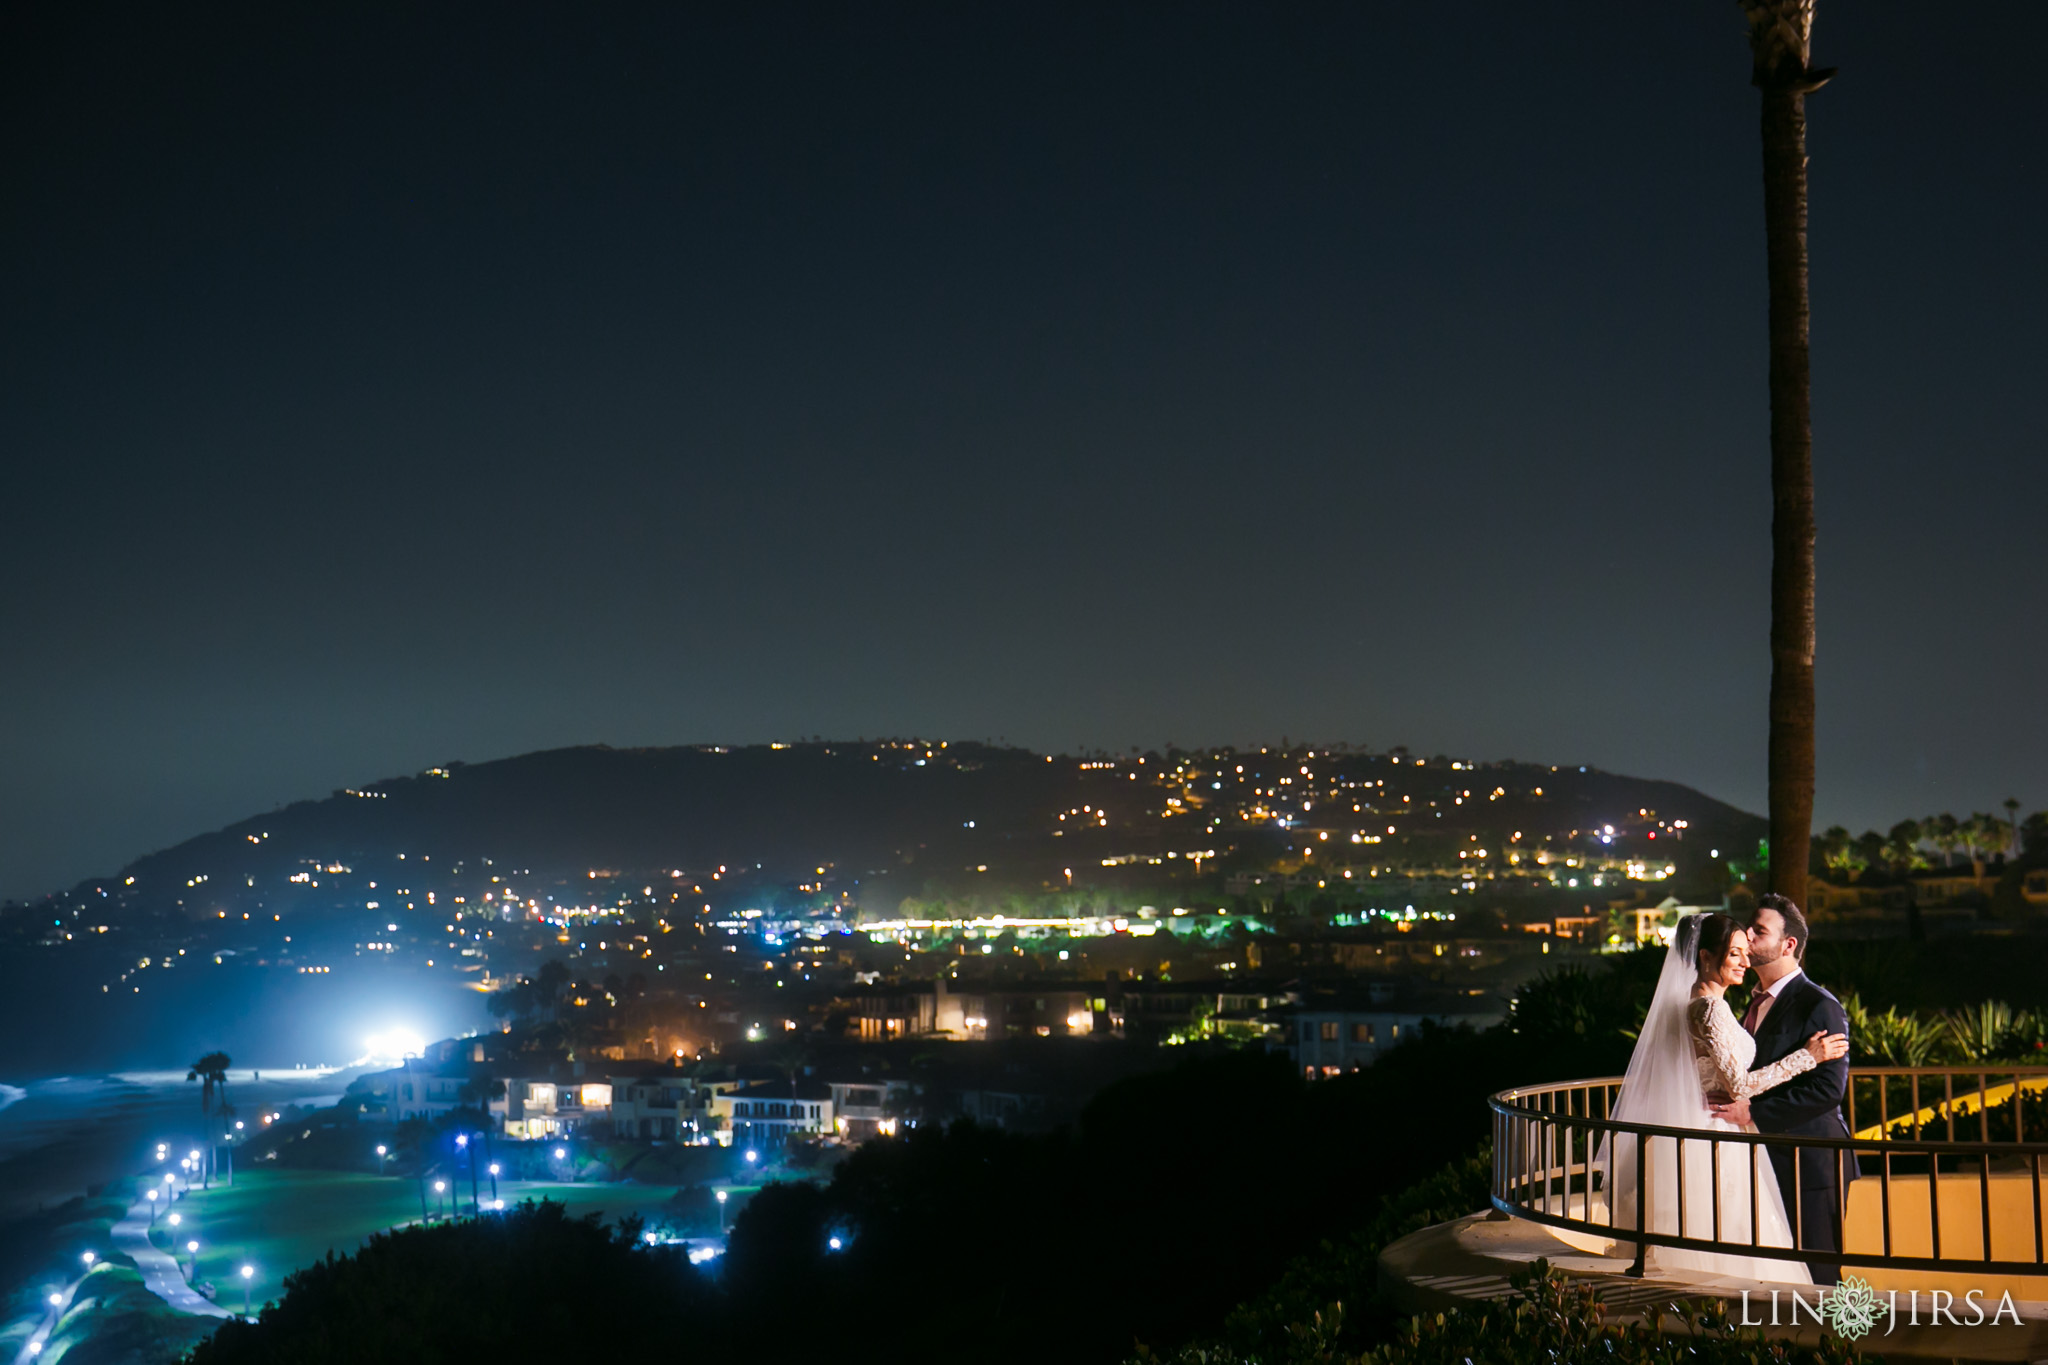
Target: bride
1692 1051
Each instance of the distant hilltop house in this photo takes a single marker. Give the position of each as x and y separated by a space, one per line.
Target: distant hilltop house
1104 1009
1045 1011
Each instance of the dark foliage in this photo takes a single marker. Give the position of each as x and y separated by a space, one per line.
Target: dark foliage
1177 1195
533 1284
1549 1319
1939 974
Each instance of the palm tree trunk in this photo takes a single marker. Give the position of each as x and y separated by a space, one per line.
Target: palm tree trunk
1780 33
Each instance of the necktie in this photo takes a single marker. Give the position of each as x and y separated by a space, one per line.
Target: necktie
1754 1015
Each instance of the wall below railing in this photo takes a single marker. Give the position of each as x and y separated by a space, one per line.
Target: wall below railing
1962 1230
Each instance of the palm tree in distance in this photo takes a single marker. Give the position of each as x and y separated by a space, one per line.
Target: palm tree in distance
1780 44
1942 832
2012 821
415 1137
211 1071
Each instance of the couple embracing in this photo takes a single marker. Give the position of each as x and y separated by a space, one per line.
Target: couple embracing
1782 1068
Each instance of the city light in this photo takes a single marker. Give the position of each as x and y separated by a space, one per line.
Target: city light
395 1045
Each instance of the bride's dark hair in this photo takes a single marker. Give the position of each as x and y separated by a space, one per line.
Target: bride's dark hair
1710 935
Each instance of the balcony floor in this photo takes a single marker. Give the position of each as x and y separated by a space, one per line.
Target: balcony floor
1469 1261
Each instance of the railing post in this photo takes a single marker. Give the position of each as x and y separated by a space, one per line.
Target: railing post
1798 1210
2038 1257
1984 1196
1884 1190
1757 1152
1715 1153
1642 1208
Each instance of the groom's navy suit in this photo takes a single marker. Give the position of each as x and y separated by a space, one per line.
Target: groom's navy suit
1808 1105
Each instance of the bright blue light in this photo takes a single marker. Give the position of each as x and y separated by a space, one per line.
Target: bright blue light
753 1156
834 1244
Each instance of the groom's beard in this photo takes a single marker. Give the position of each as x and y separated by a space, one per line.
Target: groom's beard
1757 959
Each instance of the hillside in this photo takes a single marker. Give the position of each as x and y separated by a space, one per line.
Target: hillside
849 813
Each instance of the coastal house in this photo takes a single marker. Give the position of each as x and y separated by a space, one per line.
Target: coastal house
663 1105
769 1113
542 1106
864 1108
1329 1035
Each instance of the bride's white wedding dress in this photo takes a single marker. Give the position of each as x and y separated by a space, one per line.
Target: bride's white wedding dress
1691 1049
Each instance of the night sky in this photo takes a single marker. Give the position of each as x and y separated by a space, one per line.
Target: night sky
387 385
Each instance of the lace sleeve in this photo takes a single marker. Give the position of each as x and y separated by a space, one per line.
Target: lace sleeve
1714 1033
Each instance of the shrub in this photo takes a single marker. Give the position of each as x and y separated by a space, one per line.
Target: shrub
1549 1318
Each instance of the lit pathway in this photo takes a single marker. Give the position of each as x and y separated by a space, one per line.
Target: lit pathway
160 1273
33 1347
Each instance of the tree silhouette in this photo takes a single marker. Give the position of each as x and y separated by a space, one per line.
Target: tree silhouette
211 1071
415 1138
1780 41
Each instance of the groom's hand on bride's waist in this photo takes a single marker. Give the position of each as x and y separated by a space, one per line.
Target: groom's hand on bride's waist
1736 1112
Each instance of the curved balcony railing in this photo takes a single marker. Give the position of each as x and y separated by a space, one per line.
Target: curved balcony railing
1957 1157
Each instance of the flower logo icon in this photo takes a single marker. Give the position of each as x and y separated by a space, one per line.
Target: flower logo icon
1853 1308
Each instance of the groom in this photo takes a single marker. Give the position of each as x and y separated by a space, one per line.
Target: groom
1786 1008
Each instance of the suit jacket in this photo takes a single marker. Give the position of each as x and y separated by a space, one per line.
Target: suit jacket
1808 1105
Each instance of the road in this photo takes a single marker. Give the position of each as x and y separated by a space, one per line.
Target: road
160 1273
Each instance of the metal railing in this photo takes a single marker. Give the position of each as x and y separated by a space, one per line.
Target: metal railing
1558 1156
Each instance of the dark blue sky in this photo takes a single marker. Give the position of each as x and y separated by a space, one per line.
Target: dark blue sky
410 383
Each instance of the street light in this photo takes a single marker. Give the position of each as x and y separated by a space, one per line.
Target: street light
439 1187
89 1259
721 1213
193 1275
150 1195
382 1152
753 1157
248 1273
56 1299
177 1218
494 1185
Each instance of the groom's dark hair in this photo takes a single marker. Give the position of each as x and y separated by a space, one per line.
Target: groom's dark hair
1795 921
